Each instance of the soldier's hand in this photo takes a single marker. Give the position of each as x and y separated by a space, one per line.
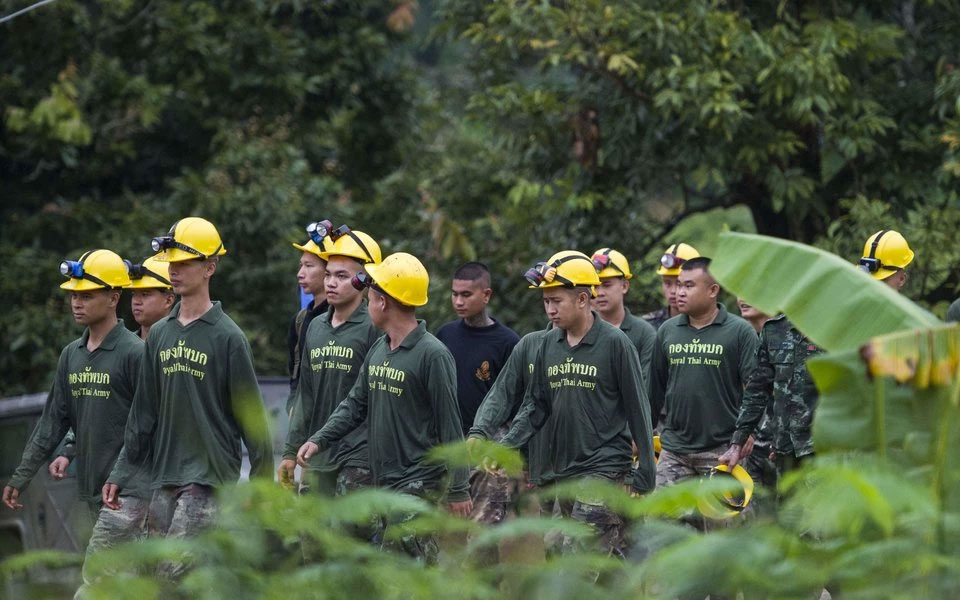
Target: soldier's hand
286 473
731 457
307 450
58 467
461 509
11 497
110 494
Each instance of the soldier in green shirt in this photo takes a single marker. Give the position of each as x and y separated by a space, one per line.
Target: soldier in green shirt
151 299
587 377
703 358
406 392
671 260
613 268
197 397
334 347
92 391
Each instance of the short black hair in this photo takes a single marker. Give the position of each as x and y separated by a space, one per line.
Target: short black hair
474 271
700 262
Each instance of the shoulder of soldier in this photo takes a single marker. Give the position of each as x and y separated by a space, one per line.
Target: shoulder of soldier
654 314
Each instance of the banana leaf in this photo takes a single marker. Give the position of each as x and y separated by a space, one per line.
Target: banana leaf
834 303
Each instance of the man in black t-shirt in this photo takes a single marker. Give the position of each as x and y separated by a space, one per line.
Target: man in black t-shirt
480 346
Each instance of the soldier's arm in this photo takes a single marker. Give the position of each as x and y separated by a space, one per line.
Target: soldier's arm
636 407
247 406
304 401
441 378
757 394
68 449
349 414
502 400
49 431
657 386
141 421
535 409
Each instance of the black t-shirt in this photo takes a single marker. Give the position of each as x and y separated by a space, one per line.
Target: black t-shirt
479 353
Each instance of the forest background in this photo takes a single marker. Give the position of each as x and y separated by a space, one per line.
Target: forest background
498 131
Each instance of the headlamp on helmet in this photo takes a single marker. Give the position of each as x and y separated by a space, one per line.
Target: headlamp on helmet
139 271
600 261
319 230
71 268
361 281
535 274
671 261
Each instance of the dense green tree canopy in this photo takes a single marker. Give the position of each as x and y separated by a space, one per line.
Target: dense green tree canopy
499 131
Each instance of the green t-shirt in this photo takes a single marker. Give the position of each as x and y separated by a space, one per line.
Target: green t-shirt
92 393
595 396
196 399
409 398
332 358
504 399
643 336
698 376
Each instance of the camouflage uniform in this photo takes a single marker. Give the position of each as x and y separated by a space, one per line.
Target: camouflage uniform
609 527
112 528
782 381
179 512
351 479
657 317
422 547
492 493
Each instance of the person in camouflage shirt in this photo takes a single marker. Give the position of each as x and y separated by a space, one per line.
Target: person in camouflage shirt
781 379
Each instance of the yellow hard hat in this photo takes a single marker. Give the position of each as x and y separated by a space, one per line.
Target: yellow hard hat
402 277
568 268
355 244
656 448
95 270
885 253
611 263
151 274
674 256
727 504
189 238
319 242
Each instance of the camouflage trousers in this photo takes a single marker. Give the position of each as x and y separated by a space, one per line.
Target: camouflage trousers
492 494
673 468
391 536
351 479
179 512
763 471
609 527
112 528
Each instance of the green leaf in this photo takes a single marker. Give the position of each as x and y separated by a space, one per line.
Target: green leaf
834 303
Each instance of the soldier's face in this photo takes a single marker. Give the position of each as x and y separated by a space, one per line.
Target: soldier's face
311 273
669 285
93 306
696 292
564 307
189 276
469 298
150 305
337 280
610 294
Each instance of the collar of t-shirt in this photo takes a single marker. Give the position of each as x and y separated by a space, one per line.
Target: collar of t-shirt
413 337
479 330
684 320
627 323
210 317
355 317
108 343
560 335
